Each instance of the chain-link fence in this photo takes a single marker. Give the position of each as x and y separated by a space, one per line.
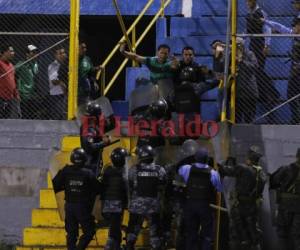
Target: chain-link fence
34 65
268 62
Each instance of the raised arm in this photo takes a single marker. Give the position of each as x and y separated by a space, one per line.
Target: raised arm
131 55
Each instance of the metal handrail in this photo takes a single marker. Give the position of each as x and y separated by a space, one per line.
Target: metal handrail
115 49
158 14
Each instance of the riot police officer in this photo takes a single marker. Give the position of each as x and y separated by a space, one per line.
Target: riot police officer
191 81
80 186
114 196
245 200
91 136
145 182
286 180
202 182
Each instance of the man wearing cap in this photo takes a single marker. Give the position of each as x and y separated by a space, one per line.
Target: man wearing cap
202 183
245 200
286 181
26 74
9 95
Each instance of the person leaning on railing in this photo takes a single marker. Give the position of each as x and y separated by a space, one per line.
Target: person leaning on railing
87 86
9 94
161 66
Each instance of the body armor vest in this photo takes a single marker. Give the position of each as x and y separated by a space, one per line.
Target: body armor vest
115 189
76 188
199 186
147 183
250 185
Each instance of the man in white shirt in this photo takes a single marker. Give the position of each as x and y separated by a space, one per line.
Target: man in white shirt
58 80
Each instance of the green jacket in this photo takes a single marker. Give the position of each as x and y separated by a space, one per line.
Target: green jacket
25 75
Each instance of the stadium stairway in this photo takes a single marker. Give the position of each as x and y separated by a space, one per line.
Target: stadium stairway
47 228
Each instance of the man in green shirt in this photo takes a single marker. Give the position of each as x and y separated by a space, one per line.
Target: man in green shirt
162 68
87 85
25 74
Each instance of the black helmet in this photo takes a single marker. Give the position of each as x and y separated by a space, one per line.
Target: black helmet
118 156
145 154
93 108
159 108
201 155
254 154
78 156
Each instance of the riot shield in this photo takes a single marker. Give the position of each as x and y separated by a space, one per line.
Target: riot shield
141 98
166 89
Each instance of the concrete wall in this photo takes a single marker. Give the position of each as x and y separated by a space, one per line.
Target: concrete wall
25 151
279 144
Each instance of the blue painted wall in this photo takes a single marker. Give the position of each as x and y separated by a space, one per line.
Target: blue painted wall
88 7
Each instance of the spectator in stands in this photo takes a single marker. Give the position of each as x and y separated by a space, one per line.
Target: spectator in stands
161 68
87 87
296 4
293 84
218 51
246 90
259 45
58 80
254 25
9 95
26 74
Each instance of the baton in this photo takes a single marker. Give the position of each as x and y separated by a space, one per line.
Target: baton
223 209
113 142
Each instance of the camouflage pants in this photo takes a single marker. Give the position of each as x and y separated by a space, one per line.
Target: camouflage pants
244 229
135 225
288 229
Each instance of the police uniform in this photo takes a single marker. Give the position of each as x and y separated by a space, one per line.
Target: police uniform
80 186
244 202
114 197
202 182
91 139
190 84
145 181
286 180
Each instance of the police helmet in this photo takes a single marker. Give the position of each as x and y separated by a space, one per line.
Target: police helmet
145 154
201 155
93 108
254 154
118 156
159 108
78 156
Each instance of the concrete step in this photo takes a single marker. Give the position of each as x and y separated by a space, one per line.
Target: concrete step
49 217
46 236
47 198
49 180
46 218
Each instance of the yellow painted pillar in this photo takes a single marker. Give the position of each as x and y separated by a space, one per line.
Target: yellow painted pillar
73 58
233 59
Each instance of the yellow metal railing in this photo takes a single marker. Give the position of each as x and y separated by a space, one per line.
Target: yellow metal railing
233 58
73 58
134 44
